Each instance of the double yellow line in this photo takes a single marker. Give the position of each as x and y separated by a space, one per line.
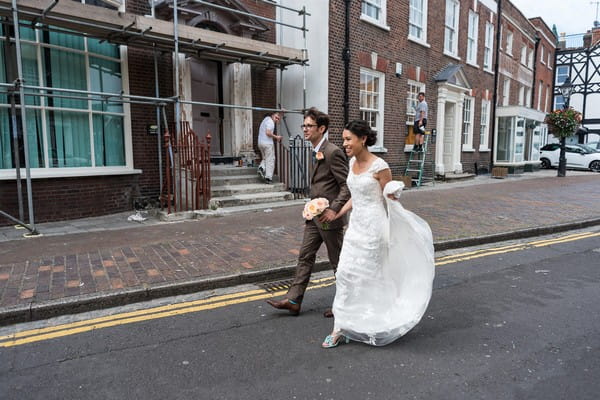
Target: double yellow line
52 332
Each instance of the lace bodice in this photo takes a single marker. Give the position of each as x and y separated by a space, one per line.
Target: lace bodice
367 196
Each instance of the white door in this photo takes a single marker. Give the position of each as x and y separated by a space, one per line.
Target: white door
205 88
449 131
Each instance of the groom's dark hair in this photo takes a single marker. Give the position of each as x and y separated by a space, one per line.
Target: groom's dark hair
320 118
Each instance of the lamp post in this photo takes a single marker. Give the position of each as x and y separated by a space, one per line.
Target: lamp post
565 89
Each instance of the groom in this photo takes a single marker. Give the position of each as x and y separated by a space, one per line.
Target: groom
328 180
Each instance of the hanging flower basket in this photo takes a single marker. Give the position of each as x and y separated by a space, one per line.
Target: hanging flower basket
563 123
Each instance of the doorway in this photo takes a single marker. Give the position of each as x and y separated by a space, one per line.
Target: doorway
207 87
449 132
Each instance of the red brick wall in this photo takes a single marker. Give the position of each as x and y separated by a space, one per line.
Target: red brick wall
68 198
544 72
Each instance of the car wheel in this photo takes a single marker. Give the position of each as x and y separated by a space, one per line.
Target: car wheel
546 163
595 166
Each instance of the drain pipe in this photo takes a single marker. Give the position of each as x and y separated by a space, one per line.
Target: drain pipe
346 58
496 82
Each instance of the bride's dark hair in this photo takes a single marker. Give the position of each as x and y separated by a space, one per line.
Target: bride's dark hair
362 128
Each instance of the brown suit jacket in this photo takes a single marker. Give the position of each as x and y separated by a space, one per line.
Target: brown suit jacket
328 180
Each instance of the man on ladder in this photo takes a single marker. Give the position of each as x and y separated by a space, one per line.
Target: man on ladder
420 122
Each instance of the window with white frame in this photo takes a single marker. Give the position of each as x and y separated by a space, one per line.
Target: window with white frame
543 54
372 89
521 95
484 125
451 29
559 102
488 50
562 73
528 97
506 92
67 131
540 92
509 42
524 55
374 11
417 20
549 65
472 34
546 97
467 141
414 88
530 59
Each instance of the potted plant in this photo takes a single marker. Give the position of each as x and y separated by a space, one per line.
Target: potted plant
562 124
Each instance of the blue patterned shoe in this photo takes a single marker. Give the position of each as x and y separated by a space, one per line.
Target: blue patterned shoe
333 341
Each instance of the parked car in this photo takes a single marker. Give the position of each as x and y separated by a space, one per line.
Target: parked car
594 145
578 157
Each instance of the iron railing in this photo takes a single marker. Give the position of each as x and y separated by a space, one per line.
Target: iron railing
294 165
187 171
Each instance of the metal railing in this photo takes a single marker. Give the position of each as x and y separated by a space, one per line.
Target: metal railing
187 171
294 166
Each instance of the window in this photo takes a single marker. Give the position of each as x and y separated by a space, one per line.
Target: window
506 92
562 73
451 30
509 42
489 46
527 97
417 20
66 132
530 59
472 37
372 89
467 141
549 65
374 11
414 88
521 95
542 54
485 125
546 103
524 55
540 92
559 102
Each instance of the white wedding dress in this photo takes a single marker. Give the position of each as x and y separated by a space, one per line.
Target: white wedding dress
386 268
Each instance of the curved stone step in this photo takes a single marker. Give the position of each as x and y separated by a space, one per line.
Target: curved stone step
252 198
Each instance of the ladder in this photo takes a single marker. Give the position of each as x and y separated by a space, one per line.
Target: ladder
417 162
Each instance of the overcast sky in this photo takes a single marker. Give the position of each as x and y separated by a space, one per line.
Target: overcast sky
569 16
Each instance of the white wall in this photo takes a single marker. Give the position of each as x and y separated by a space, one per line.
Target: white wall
291 81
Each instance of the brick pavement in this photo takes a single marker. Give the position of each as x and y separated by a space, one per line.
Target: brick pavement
70 267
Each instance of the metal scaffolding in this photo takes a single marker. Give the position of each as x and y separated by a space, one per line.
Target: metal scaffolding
137 31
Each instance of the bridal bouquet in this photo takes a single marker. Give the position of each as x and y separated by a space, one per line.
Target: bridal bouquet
314 208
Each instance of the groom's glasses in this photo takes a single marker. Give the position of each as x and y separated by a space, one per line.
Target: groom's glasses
307 126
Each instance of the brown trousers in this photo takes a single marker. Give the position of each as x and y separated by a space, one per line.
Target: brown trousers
311 242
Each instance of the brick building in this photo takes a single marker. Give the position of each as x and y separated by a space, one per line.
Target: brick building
524 81
100 155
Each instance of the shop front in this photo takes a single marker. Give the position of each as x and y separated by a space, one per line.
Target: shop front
520 133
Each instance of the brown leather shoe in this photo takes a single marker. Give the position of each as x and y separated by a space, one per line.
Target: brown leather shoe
328 313
285 304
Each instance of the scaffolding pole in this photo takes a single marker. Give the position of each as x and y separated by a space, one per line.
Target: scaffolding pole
19 83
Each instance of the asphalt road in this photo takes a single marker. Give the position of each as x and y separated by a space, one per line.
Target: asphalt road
518 320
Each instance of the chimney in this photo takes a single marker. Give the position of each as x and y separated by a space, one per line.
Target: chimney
595 35
587 40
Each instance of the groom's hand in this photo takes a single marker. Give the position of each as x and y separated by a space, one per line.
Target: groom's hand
327 216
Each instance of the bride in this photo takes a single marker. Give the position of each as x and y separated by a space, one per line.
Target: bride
385 272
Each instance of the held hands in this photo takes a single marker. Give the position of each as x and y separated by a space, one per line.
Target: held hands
327 216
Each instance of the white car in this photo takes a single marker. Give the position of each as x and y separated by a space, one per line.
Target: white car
578 157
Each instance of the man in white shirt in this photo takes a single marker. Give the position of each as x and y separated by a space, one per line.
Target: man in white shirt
266 134
420 122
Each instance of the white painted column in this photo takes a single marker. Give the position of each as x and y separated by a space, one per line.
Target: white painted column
240 91
457 147
439 144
